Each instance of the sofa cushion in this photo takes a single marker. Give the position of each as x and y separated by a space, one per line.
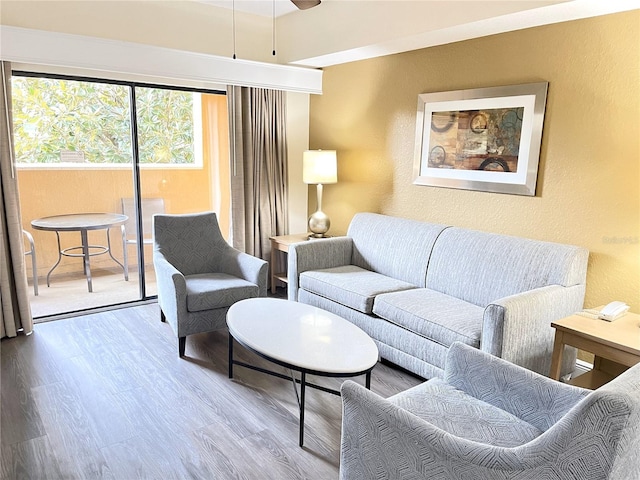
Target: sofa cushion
351 286
465 416
433 315
393 246
482 267
206 291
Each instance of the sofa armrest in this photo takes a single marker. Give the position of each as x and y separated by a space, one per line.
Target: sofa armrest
172 289
518 327
532 397
316 255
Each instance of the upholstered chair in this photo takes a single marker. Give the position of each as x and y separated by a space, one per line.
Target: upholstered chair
489 419
199 276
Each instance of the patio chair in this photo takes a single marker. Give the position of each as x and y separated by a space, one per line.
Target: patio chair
489 419
150 206
199 276
34 263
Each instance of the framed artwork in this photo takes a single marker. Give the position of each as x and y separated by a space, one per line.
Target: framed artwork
485 139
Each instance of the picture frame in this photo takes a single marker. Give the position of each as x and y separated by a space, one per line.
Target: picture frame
485 139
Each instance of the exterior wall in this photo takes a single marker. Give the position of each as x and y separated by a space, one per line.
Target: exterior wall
589 172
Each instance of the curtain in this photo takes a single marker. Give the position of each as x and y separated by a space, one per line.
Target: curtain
15 312
258 168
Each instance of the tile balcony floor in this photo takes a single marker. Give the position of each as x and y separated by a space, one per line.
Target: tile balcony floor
68 292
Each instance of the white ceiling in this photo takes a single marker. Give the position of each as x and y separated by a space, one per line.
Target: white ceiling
264 8
340 31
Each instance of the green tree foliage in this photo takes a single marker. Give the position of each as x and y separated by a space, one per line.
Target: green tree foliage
165 125
51 116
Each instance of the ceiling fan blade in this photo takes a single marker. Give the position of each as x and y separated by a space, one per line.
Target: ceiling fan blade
305 4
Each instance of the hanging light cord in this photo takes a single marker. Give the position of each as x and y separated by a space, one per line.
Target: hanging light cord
273 28
233 26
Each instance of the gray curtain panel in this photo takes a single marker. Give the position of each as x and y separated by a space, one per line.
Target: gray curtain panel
258 168
15 312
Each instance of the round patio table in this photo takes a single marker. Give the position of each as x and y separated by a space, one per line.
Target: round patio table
82 222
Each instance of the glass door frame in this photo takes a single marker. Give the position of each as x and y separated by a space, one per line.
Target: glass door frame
135 151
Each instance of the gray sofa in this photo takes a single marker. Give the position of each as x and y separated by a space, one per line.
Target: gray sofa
417 287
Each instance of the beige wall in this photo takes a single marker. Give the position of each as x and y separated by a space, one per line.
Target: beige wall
589 174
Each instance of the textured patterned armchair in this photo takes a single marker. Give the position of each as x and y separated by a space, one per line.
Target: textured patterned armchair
489 419
199 276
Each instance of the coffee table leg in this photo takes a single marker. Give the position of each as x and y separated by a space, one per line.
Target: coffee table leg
230 356
367 381
303 382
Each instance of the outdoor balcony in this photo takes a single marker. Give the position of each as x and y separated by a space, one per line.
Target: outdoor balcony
68 292
77 152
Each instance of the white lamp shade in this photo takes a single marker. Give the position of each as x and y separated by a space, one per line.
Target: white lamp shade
319 166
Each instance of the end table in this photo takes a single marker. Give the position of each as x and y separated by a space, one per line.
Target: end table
616 346
281 244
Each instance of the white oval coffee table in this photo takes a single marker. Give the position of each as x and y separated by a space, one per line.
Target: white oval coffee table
302 338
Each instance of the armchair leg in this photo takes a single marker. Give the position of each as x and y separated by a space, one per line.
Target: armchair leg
163 319
182 343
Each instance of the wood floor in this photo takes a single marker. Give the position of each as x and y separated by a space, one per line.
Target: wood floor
106 396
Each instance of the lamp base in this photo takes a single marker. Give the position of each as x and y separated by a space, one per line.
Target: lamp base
319 224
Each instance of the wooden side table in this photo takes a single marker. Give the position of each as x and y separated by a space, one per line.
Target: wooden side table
281 244
616 346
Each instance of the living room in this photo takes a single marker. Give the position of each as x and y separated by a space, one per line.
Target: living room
588 176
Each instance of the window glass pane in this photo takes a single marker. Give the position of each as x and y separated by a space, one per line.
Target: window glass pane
166 126
188 130
75 157
67 121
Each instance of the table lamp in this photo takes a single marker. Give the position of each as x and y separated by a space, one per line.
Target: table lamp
319 167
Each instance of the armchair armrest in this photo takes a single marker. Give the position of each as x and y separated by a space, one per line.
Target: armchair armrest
382 440
316 255
248 267
518 327
529 396
172 289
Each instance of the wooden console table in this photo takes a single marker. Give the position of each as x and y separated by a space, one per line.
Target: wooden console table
616 346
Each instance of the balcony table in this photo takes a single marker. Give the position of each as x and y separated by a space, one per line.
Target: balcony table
82 222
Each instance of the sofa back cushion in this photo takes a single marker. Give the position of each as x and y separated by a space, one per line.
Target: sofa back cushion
482 267
395 247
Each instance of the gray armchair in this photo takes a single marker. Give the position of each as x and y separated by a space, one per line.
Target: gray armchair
199 276
489 419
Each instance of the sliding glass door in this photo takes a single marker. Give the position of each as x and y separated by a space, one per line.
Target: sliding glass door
183 157
87 146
